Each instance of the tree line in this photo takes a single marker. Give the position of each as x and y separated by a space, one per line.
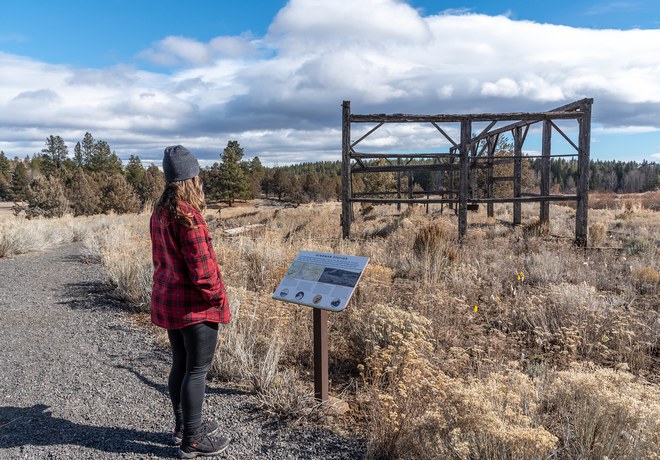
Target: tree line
94 180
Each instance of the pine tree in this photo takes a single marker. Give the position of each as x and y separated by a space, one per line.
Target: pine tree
135 172
87 148
4 165
78 158
56 149
102 159
279 183
256 174
19 181
5 177
233 181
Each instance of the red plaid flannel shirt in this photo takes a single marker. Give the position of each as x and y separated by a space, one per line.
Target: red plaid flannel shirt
188 287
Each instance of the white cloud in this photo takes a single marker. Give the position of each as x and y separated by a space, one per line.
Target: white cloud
182 51
280 94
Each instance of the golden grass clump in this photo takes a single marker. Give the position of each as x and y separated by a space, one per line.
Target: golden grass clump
597 234
645 279
20 236
435 249
603 413
126 259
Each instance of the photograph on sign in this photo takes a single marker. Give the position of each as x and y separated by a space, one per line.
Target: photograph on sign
321 280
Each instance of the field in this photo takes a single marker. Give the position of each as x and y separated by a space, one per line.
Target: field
510 344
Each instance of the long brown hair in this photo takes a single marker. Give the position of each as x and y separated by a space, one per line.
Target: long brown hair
189 191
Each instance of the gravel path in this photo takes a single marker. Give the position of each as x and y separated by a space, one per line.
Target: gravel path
78 380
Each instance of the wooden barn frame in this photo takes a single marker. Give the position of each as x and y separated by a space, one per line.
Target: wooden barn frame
465 157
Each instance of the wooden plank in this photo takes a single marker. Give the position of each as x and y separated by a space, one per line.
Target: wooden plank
405 168
571 107
366 135
577 149
441 155
444 134
521 199
504 178
455 118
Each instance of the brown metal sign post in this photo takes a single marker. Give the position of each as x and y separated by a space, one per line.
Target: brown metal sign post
325 282
320 354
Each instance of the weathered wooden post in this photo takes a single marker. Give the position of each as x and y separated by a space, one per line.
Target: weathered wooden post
473 170
398 184
492 143
346 191
581 213
544 212
452 152
464 150
517 174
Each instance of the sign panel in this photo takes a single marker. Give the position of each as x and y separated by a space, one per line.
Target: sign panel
321 280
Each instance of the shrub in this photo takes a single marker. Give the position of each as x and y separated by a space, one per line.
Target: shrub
83 196
127 260
645 279
117 195
603 413
597 234
46 198
639 246
435 249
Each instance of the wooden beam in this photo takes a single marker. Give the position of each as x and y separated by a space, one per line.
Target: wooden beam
525 117
346 170
582 209
517 173
492 145
444 134
466 130
565 136
546 146
365 136
406 168
521 199
402 155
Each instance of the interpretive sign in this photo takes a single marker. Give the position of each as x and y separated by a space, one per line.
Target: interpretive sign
321 280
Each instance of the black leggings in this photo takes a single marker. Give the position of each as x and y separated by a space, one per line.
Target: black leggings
192 353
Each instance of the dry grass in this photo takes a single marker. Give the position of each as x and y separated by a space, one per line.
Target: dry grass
513 344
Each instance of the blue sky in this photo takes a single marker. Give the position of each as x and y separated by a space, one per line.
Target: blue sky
272 74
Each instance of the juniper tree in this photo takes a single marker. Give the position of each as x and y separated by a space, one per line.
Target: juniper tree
46 198
83 194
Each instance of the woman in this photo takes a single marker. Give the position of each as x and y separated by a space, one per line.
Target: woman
188 298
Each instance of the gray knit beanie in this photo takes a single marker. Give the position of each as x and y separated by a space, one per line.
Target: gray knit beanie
179 164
